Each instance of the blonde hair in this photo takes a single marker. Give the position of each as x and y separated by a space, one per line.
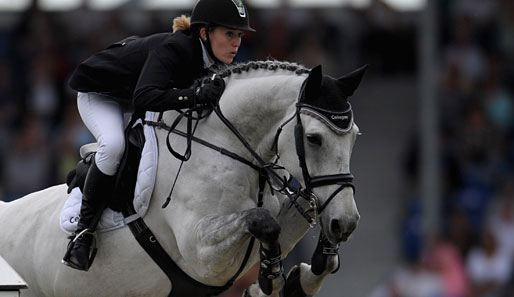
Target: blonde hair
182 22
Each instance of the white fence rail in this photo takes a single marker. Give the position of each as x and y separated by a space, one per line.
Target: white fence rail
10 282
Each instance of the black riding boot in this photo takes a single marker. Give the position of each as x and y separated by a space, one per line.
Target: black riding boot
98 189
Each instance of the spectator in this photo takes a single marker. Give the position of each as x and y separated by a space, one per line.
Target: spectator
501 222
414 279
489 267
445 258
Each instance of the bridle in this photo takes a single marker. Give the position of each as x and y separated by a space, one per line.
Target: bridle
342 179
289 187
267 174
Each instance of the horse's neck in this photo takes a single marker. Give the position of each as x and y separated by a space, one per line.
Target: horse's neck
257 107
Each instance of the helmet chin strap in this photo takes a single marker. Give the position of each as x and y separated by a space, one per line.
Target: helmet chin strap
207 44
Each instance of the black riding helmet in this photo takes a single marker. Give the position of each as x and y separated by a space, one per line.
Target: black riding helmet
227 13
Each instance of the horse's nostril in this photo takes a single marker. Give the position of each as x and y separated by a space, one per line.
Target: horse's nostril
341 232
335 227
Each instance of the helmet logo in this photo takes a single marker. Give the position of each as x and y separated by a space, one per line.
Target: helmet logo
240 8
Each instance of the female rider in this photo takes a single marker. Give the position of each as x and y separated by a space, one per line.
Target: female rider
152 73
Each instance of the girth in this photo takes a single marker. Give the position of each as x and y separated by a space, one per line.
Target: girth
181 283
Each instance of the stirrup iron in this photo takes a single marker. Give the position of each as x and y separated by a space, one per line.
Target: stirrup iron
92 249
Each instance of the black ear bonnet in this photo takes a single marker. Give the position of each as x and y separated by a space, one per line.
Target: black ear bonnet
326 98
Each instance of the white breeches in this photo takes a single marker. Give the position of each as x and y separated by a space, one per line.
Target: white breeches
106 120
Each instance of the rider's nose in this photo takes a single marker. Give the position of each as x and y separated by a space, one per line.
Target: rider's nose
237 42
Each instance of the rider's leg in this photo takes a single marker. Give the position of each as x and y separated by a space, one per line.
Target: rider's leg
97 190
104 118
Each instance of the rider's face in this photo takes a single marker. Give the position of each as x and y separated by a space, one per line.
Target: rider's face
225 43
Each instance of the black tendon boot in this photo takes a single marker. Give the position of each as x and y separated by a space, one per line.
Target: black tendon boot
271 268
98 189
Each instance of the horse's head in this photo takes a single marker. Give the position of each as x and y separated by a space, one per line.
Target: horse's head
321 141
324 137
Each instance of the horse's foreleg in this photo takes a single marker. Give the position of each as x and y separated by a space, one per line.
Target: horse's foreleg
305 280
255 291
223 236
263 227
266 229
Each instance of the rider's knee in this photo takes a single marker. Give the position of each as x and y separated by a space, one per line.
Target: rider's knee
113 146
109 154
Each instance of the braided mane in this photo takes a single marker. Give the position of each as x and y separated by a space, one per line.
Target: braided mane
270 65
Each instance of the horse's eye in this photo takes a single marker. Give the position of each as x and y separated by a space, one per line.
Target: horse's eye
314 139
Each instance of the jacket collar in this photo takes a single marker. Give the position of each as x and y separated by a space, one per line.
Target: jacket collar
208 61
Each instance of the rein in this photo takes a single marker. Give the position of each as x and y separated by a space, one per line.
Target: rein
291 187
292 190
285 185
266 170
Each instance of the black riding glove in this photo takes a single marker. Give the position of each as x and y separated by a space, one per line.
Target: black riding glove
205 94
210 92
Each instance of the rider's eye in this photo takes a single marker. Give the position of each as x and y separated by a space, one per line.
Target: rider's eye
314 139
233 34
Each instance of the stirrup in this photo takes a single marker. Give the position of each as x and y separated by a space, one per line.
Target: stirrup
92 249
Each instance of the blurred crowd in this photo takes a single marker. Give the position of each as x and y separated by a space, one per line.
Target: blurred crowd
472 256
473 253
40 128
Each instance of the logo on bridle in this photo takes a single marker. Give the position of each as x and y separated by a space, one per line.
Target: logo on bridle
339 117
339 122
240 8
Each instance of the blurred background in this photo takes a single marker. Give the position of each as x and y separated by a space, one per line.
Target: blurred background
434 166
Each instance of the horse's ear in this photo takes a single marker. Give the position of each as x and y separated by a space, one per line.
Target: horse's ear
349 82
313 83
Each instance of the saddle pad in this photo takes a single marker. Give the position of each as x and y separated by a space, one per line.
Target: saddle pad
110 219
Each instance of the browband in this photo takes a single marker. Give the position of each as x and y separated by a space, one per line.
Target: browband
340 122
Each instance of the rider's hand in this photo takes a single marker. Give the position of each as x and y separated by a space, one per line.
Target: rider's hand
210 92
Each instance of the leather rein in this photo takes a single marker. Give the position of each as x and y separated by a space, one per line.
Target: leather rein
289 187
267 174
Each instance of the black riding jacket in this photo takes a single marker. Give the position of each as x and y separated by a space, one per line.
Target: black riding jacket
147 73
